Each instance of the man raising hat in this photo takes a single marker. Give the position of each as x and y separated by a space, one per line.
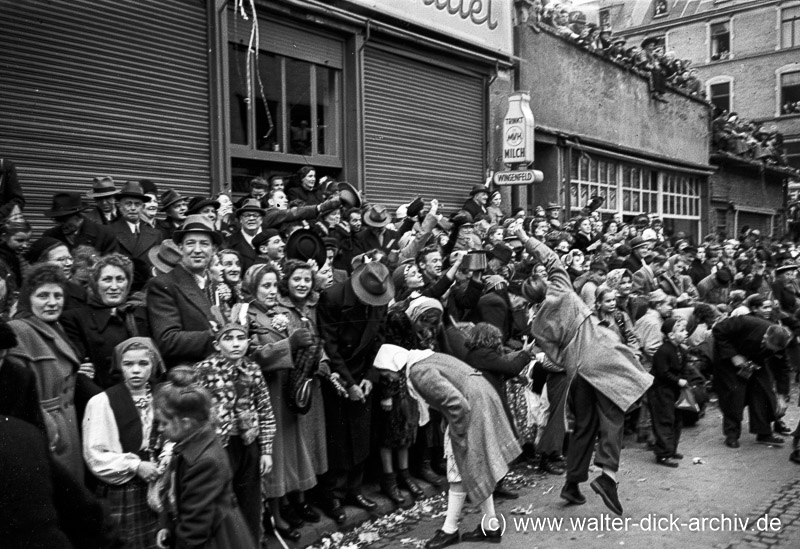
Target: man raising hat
180 303
73 229
476 203
104 193
135 237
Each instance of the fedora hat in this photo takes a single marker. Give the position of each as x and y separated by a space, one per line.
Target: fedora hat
787 267
263 237
197 224
250 205
349 195
377 216
372 284
169 199
305 244
149 187
478 189
65 204
197 203
133 189
554 206
103 187
636 242
165 256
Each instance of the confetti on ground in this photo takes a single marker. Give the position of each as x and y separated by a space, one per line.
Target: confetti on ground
641 480
549 490
698 461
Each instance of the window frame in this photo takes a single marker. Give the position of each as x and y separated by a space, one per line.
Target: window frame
722 79
710 38
785 69
781 21
250 150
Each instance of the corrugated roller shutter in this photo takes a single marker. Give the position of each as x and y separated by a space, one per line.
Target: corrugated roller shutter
104 88
424 131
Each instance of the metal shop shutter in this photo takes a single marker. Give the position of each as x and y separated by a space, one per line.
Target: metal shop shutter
424 131
104 88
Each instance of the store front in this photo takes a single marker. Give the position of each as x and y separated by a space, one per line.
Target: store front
398 112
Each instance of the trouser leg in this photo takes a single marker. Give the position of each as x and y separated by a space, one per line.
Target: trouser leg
582 400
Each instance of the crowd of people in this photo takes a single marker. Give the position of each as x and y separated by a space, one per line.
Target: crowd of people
662 68
199 377
747 139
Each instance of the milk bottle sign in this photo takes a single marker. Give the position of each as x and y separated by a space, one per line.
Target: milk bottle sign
518 130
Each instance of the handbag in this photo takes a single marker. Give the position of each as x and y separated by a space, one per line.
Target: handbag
686 401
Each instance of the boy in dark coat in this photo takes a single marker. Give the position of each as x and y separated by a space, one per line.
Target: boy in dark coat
668 380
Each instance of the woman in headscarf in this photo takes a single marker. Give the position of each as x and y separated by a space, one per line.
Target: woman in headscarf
116 441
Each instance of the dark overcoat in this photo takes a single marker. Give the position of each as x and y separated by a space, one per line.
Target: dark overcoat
246 252
136 248
180 316
353 334
90 234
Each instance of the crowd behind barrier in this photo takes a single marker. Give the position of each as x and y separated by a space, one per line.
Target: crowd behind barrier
275 350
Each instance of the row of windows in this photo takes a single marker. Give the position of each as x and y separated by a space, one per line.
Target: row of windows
720 33
630 189
720 93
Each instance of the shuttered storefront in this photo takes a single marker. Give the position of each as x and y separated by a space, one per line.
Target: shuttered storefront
104 88
424 130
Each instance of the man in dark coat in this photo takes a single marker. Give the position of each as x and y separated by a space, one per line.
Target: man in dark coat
639 249
249 219
351 316
748 350
179 303
74 230
135 238
104 193
376 235
476 203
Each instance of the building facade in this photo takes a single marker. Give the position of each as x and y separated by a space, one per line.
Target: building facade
599 132
748 55
202 95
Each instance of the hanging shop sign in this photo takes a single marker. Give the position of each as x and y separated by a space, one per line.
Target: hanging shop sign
521 177
518 127
483 23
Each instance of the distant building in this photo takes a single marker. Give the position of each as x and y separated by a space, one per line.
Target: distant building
747 53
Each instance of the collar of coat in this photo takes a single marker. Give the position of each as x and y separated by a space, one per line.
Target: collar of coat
192 447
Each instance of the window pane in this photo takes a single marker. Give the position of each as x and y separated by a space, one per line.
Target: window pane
269 124
612 199
327 110
721 95
626 175
584 168
720 41
298 97
573 173
593 171
237 78
574 195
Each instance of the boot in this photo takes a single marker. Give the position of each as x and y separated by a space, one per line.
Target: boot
428 475
405 480
390 490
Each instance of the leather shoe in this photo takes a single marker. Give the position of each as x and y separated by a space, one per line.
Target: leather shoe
405 480
394 494
781 428
290 533
442 539
606 488
483 536
427 474
795 456
335 510
307 513
359 500
572 493
551 467
666 461
291 517
731 443
501 492
769 439
676 455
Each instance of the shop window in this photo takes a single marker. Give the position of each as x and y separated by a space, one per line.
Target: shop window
681 196
661 8
790 27
790 92
720 95
720 41
285 104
